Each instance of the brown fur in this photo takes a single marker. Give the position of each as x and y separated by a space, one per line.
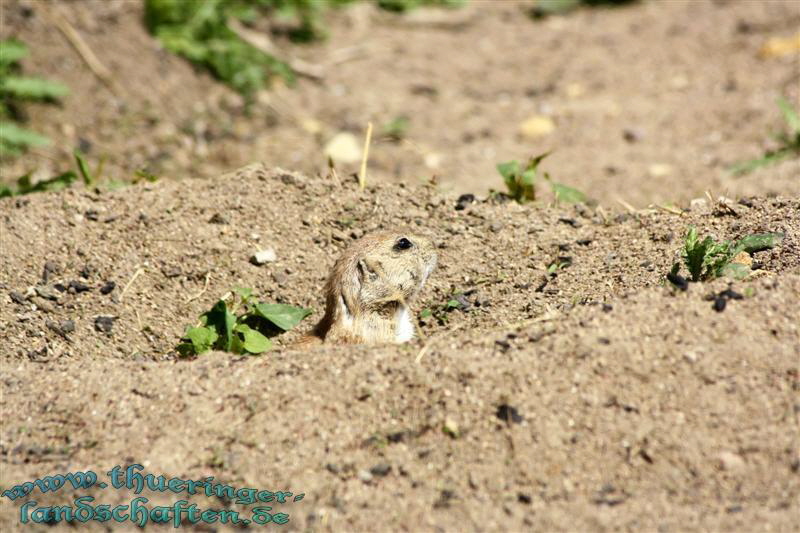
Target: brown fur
370 282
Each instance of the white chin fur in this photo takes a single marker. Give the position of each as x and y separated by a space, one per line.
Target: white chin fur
404 328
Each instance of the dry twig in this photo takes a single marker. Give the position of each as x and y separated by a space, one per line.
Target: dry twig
136 274
362 175
264 44
205 287
86 53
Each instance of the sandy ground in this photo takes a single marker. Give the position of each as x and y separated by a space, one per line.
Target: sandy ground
635 405
594 398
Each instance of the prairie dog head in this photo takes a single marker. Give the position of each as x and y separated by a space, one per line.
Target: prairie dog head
372 285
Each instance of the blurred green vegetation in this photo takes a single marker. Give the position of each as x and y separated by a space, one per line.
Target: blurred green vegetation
200 32
543 8
405 5
789 142
16 89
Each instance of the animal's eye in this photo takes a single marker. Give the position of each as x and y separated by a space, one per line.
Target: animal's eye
403 244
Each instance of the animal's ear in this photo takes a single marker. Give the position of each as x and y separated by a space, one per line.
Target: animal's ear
351 289
366 272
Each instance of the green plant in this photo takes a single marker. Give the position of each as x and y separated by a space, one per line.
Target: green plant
202 32
15 89
306 13
396 128
707 259
565 194
789 143
56 183
199 31
440 312
559 263
544 8
406 5
92 179
521 182
24 185
243 327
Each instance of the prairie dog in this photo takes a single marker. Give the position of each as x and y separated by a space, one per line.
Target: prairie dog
371 287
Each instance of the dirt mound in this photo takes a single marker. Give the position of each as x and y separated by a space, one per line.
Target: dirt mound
572 389
652 102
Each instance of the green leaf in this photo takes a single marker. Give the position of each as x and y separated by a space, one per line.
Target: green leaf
201 339
114 185
452 304
83 168
566 194
244 293
528 178
11 51
222 321
253 341
199 31
758 242
8 150
24 185
746 167
789 115
533 163
397 128
552 7
142 174
693 254
14 135
33 88
508 170
282 315
425 313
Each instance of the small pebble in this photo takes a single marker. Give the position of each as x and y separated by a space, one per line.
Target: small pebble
108 287
679 281
218 218
17 298
266 255
47 293
450 427
343 148
50 268
464 200
77 287
730 461
43 304
571 221
104 324
509 414
380 469
632 135
365 476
